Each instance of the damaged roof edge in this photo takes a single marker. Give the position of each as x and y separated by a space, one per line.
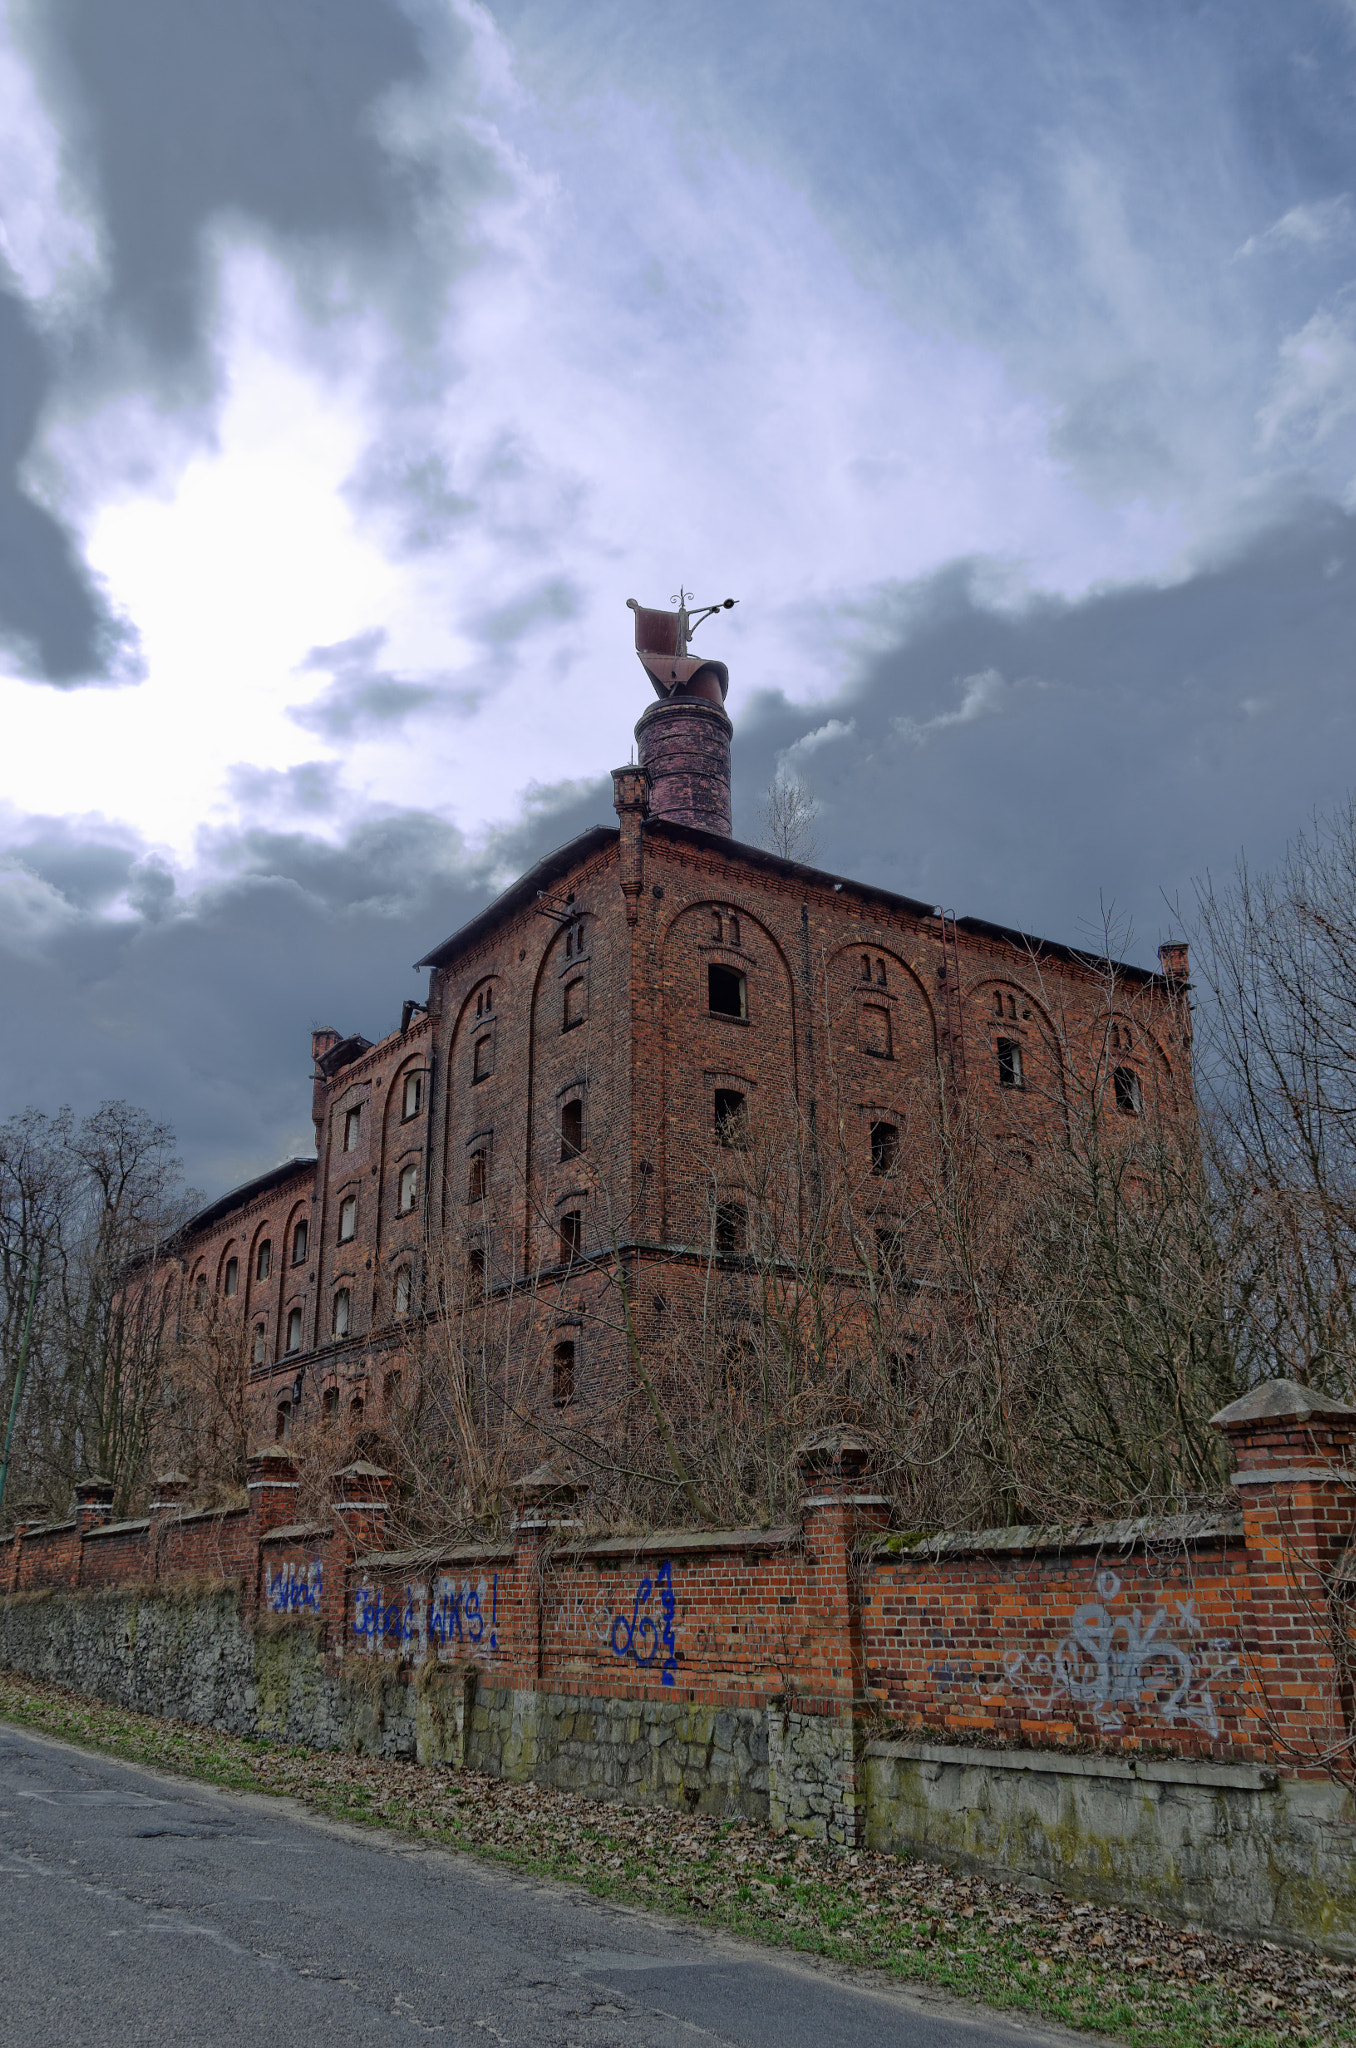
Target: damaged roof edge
548 869
236 1198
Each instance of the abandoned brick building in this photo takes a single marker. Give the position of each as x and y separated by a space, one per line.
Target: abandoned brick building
624 1009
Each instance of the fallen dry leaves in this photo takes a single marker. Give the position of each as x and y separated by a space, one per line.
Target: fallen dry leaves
1101 1967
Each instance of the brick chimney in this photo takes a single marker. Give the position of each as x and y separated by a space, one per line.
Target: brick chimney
685 746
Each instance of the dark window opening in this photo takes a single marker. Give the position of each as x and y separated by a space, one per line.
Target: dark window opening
294 1330
299 1236
866 967
880 974
1009 1064
998 1002
571 1235
263 1261
232 1276
732 1119
355 1408
477 1177
200 1292
260 1343
730 1227
329 1404
574 1004
732 929
902 1370
282 1427
404 1290
571 1130
884 1148
408 1189
339 1318
890 1254
875 1028
726 990
1128 1099
475 1268
717 927
562 1375
414 1095
484 1059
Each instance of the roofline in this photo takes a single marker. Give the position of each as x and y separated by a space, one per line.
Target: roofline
548 869
248 1191
978 927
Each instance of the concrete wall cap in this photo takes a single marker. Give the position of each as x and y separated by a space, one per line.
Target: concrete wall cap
1277 1401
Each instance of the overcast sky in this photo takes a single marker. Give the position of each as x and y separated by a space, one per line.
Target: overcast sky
360 358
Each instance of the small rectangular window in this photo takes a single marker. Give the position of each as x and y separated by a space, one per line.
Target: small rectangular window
884 1148
731 1118
1128 1099
477 1177
571 1235
260 1344
231 1279
299 1237
404 1288
348 1218
1009 1063
730 1227
571 1130
282 1427
726 991
339 1322
409 1188
562 1376
294 1330
329 1403
352 1126
574 1004
414 1093
482 1064
874 1025
263 1260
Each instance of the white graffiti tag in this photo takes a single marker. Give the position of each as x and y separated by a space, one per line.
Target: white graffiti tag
1111 1662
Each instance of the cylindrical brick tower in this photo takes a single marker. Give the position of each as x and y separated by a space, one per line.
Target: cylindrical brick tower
685 745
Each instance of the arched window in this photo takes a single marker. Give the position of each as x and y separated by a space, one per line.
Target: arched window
329 1404
562 1374
866 967
299 1236
1010 1064
339 1320
294 1330
263 1260
574 1004
731 1118
283 1426
200 1293
348 1218
732 929
259 1351
409 1188
231 1277
353 1122
404 1288
571 1129
884 1147
571 1235
355 1408
1128 1099
717 927
414 1095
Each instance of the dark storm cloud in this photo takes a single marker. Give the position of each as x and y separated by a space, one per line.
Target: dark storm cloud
54 622
1025 766
361 698
202 1008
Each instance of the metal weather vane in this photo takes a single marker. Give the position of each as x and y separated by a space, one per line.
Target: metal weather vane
663 641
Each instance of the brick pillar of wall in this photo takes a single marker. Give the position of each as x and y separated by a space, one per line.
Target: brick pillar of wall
545 1503
685 746
169 1492
631 796
362 1506
1296 1480
271 1478
816 1735
93 1504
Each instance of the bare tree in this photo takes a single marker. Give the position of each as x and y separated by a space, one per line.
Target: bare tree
787 817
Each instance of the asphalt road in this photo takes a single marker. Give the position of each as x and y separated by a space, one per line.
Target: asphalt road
143 1909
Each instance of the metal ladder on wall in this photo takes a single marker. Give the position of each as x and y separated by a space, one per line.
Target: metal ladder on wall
954 1029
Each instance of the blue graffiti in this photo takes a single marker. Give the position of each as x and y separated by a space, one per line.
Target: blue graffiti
295 1588
379 1620
642 1629
458 1613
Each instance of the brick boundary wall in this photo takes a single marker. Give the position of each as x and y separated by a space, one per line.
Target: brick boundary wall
1148 1711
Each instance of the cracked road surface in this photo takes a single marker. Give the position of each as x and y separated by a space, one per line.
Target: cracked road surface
147 1910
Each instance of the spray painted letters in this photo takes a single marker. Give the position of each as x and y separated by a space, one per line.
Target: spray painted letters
295 1588
641 1638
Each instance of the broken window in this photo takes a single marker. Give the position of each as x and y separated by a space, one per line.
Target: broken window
731 1227
339 1321
1009 1064
477 1177
1128 1099
352 1125
409 1188
263 1260
876 1038
299 1237
348 1218
231 1277
732 1126
884 1147
726 990
571 1235
294 1330
571 1129
574 1004
562 1374
414 1095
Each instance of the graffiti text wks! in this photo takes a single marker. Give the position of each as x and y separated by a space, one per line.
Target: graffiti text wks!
461 1613
295 1588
